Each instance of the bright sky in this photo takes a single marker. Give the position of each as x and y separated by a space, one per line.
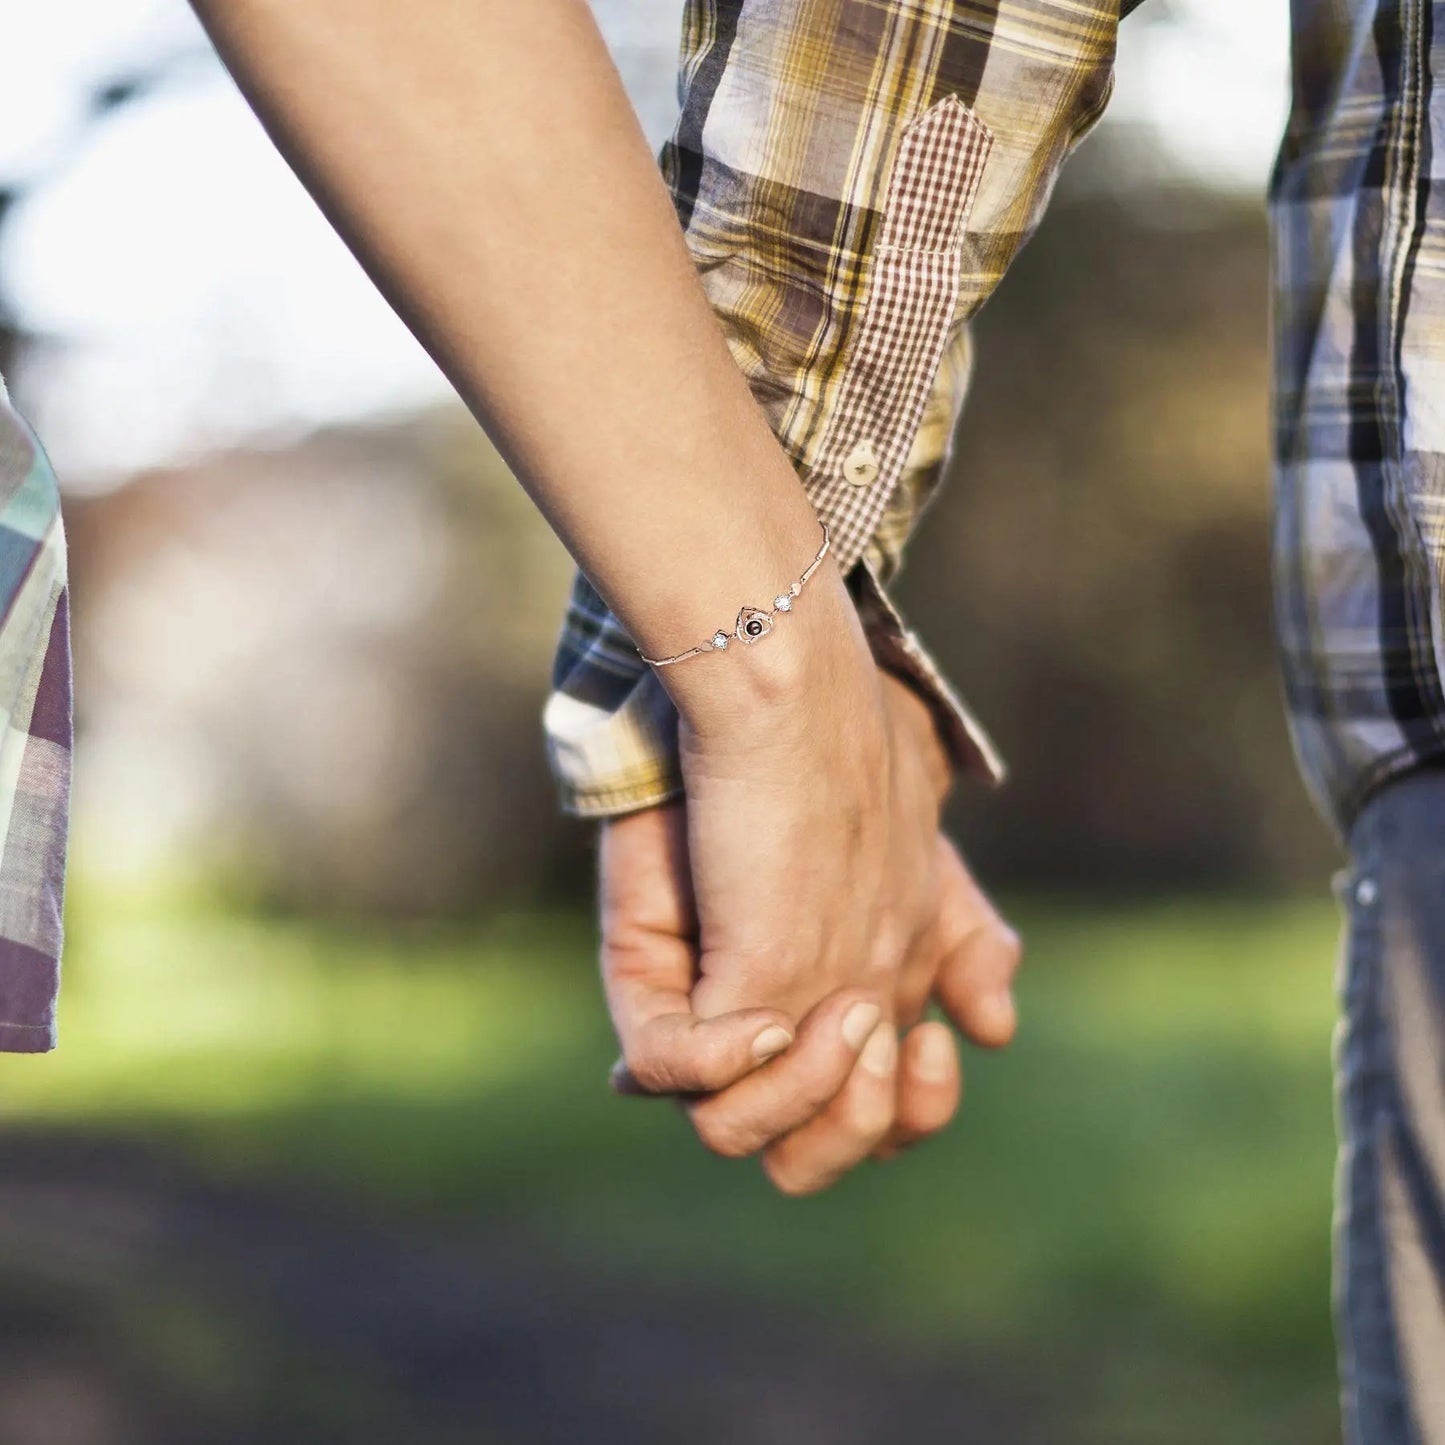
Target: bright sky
196 297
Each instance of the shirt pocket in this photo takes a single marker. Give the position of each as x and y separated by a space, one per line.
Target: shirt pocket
912 280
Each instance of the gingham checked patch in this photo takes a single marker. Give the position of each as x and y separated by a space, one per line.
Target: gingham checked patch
913 290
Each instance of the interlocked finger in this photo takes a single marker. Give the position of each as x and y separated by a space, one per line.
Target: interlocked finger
785 1094
848 1130
930 1085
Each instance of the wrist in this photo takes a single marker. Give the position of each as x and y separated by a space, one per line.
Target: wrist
813 650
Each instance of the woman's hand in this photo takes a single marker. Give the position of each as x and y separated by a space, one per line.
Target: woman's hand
702 925
812 810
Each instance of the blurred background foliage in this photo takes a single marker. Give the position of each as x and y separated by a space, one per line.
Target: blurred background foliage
326 1153
1097 576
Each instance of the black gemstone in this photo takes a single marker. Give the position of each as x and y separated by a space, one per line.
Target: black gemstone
754 628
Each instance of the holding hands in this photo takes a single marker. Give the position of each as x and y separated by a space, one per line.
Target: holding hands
769 945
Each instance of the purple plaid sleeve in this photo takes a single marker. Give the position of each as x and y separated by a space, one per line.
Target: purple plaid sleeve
35 694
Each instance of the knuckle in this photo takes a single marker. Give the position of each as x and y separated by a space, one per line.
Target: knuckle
652 1073
645 1073
622 958
890 942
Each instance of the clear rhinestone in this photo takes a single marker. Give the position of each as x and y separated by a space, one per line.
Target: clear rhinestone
783 603
719 640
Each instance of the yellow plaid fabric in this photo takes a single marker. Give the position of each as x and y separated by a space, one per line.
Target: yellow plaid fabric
853 178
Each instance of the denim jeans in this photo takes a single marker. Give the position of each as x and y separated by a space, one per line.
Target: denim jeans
1389 1225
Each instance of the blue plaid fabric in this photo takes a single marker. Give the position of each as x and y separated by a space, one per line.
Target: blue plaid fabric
1357 207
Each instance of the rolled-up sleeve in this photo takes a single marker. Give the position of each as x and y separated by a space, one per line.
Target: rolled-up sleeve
853 178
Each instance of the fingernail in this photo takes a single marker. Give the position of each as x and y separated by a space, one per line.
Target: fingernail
859 1022
934 1062
771 1042
880 1054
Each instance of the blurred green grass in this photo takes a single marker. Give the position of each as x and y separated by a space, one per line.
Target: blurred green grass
1133 1207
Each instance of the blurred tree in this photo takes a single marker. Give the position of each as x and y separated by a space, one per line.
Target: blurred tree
1096 575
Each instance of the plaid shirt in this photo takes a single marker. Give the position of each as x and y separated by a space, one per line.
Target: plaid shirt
855 176
1357 206
35 745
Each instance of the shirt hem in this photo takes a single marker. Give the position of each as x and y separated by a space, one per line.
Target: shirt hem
611 802
1384 770
27 1038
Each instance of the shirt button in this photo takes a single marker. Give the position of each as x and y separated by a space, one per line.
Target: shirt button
860 467
1366 892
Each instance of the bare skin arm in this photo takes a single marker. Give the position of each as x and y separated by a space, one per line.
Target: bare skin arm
482 160
484 163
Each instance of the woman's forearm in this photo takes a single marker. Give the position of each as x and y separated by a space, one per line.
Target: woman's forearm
482 160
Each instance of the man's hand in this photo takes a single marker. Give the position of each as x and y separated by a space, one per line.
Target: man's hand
815 1097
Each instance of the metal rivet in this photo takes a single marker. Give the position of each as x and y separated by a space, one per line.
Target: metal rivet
861 466
1366 892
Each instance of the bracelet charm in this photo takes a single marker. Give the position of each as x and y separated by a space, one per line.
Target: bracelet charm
753 623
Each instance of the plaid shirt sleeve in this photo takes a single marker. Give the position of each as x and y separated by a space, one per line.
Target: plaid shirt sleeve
35 693
853 178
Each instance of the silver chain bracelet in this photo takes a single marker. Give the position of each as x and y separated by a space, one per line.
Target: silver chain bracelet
754 623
